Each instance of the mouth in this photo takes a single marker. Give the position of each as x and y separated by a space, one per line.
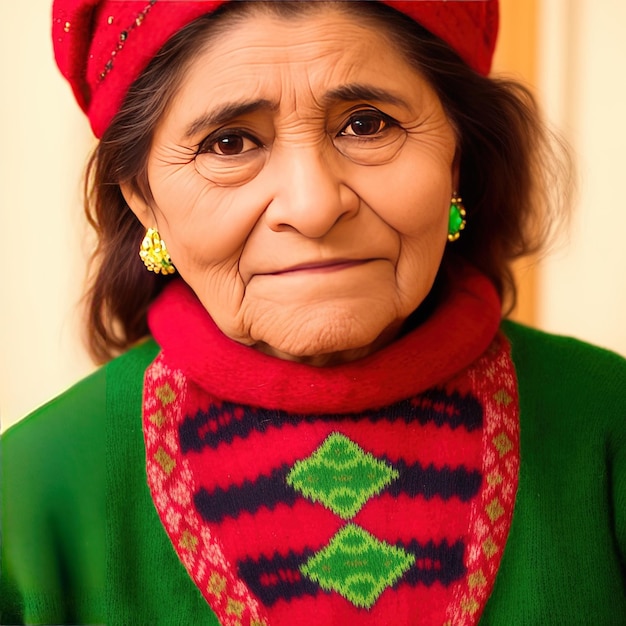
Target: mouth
335 265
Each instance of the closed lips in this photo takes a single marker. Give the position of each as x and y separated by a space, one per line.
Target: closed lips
325 266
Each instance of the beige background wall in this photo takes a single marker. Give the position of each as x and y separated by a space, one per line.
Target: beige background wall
44 142
583 286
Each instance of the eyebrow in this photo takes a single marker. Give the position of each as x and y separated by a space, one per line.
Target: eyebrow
349 93
357 91
227 112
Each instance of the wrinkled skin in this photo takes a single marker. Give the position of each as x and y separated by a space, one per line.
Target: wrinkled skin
309 218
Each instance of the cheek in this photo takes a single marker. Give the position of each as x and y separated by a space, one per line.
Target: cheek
202 224
412 200
413 197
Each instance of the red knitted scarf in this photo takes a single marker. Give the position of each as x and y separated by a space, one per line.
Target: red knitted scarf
376 492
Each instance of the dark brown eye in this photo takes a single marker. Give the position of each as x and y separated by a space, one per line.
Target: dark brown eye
365 125
229 144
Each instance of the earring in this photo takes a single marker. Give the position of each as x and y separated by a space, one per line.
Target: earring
154 254
456 221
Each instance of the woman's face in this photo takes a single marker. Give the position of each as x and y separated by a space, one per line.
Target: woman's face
301 179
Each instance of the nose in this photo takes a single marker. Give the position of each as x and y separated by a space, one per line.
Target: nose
310 195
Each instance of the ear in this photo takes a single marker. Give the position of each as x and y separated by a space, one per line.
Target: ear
137 204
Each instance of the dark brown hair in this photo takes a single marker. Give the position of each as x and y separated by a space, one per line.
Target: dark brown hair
513 172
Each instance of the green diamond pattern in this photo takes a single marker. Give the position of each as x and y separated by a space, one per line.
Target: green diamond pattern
357 565
341 476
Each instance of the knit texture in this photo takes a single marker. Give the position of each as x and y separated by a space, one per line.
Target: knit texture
289 508
444 344
402 511
82 542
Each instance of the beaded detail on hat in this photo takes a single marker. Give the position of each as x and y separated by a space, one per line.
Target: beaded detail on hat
123 37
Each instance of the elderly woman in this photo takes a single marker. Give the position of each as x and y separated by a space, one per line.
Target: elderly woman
319 416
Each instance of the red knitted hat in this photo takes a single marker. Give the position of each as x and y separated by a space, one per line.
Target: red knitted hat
102 46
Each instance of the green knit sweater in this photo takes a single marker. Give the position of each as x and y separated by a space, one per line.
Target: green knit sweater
70 556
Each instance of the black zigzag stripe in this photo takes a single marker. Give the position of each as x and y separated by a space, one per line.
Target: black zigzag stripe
443 563
227 421
271 490
429 482
279 577
453 409
250 496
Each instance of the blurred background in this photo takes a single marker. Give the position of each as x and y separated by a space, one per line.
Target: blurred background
570 52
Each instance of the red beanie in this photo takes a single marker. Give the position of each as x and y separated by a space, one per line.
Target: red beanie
102 46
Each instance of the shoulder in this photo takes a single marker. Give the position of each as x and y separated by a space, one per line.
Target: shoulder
63 442
559 371
50 431
572 357
77 414
54 476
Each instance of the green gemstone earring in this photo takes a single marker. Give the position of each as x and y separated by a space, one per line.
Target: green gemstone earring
456 221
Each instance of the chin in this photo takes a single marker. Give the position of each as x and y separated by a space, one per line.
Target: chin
324 339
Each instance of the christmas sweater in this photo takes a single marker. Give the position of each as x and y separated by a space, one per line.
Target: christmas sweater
290 499
166 489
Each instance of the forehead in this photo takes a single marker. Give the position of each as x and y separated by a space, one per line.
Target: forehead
296 38
303 54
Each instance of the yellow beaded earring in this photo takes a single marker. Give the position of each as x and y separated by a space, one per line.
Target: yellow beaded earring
456 221
154 254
